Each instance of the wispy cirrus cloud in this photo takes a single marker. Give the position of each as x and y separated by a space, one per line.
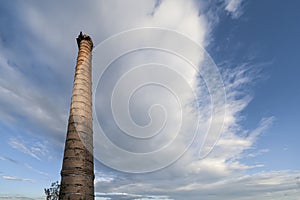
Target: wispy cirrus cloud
19 197
128 196
234 7
5 158
36 150
13 178
26 165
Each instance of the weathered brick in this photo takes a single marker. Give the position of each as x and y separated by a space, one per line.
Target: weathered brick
78 163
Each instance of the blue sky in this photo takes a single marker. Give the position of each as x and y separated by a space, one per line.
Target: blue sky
267 34
277 95
254 45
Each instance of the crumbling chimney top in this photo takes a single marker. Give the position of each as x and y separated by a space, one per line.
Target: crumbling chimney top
83 37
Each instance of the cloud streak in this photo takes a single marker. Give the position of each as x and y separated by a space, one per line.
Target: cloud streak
36 151
19 197
12 178
234 8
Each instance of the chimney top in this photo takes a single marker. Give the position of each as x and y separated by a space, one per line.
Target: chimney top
83 37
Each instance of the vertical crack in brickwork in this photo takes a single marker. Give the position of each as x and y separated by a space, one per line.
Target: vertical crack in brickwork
77 174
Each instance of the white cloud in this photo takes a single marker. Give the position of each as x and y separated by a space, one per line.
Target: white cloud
26 165
128 196
102 177
36 170
263 185
25 103
234 7
190 176
19 197
12 178
36 150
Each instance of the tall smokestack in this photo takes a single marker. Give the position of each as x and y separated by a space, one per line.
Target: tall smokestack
77 174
